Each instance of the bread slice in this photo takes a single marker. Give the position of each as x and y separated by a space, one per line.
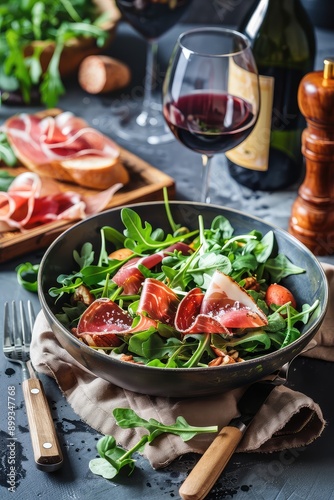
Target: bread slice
96 172
99 170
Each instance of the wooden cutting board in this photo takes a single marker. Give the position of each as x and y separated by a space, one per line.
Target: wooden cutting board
146 184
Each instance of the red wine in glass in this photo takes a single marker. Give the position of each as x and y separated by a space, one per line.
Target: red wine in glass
211 96
210 123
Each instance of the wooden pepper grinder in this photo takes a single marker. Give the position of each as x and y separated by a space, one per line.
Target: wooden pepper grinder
312 215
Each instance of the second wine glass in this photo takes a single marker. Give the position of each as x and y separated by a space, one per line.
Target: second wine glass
144 122
211 93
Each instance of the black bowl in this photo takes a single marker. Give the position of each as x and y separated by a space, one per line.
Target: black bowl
184 382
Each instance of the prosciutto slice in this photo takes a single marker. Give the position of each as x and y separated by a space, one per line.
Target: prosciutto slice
64 136
191 319
32 201
130 277
104 321
66 148
224 306
158 301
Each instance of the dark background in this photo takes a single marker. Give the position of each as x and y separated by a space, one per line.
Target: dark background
232 11
218 11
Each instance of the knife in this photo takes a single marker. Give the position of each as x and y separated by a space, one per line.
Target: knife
208 469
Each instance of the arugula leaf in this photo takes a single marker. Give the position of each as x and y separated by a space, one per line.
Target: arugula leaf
147 344
93 275
86 256
139 236
245 262
103 467
247 344
69 284
280 267
7 155
203 345
52 87
27 276
5 178
15 63
264 249
180 279
276 322
70 314
222 226
206 265
128 419
113 458
114 236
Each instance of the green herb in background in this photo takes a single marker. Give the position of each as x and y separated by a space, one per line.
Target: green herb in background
25 21
7 155
5 180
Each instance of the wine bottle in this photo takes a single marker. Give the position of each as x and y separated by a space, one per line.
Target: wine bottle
283 43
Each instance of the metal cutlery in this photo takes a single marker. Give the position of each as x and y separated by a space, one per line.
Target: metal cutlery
18 324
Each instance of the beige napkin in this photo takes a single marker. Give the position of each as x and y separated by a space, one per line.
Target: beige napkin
288 418
324 337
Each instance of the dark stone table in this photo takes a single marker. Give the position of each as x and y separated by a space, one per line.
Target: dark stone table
292 474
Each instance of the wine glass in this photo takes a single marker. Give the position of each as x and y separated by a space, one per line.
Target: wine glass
211 94
143 121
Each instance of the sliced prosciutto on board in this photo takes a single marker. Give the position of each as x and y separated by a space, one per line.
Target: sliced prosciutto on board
224 306
103 320
32 201
66 148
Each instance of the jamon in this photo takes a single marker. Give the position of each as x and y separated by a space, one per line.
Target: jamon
158 301
224 308
130 277
32 201
67 149
103 320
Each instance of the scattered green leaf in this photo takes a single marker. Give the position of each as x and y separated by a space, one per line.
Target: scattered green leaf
27 276
113 458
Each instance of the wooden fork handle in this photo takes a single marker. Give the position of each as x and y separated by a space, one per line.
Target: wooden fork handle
47 452
209 467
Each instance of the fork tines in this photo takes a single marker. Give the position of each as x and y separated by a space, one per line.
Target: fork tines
18 324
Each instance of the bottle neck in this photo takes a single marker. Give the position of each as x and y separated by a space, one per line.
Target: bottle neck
268 9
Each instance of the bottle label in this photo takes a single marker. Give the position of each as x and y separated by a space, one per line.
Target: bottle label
253 152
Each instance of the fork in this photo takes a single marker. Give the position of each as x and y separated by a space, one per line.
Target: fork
16 347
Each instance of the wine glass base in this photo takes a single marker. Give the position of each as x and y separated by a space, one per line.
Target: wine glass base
130 122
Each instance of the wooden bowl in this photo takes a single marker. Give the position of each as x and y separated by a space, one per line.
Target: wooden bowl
77 49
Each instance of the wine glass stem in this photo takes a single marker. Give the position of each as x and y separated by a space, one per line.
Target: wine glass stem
150 82
206 164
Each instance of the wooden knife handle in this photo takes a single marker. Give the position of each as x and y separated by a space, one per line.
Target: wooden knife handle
208 469
47 452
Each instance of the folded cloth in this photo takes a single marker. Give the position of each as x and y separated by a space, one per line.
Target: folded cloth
288 418
324 338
